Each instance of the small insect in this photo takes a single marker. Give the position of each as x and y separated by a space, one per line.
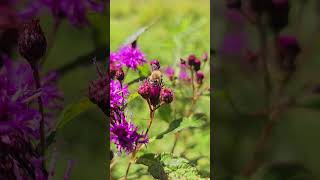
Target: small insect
155 77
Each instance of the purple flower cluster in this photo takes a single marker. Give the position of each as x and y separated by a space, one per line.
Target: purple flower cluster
73 10
123 133
118 94
18 98
130 56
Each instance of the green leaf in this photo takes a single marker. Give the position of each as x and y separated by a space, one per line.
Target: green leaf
166 166
73 110
180 124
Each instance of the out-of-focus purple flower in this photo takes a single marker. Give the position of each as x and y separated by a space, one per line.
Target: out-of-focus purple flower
18 159
234 43
18 98
118 94
125 134
74 10
169 71
131 56
183 74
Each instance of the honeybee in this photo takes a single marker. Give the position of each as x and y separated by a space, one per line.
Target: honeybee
155 77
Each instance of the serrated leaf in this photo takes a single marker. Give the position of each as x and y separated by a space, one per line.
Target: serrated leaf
166 166
73 110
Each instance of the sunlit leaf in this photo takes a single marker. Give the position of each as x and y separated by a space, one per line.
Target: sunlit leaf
166 166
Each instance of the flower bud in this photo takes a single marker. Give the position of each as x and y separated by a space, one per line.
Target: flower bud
199 77
191 59
32 42
166 95
155 65
144 89
119 74
197 65
98 92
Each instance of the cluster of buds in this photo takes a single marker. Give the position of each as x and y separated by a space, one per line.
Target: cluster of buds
194 65
153 90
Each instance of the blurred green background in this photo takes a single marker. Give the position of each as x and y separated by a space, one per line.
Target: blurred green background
83 139
239 90
182 28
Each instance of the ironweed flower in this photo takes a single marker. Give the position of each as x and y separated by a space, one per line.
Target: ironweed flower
18 98
155 90
19 160
118 94
131 56
125 134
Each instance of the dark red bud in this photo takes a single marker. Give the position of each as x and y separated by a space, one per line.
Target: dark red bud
32 42
166 95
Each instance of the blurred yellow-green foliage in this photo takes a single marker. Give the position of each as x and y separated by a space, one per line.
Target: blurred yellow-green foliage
182 27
